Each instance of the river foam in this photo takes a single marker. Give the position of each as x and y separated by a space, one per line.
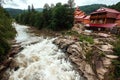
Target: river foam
42 60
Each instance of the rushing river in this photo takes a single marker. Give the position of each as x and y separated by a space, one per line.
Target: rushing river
40 59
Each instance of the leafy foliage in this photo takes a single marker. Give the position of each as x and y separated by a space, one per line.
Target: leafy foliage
6 33
116 63
59 17
86 38
91 8
14 12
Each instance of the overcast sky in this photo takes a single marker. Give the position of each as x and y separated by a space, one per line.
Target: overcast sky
23 4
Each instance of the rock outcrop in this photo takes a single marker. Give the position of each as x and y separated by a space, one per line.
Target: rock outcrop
92 60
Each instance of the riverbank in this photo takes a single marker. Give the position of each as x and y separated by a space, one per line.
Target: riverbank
92 52
45 32
9 60
34 50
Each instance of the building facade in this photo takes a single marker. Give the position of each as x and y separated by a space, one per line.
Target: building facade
79 16
105 18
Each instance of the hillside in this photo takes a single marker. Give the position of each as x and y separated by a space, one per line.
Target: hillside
90 8
87 9
15 12
115 6
39 9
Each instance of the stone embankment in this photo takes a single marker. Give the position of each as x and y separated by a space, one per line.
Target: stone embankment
92 60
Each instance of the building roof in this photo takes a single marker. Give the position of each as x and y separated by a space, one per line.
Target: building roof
110 25
103 9
77 9
80 17
87 17
78 14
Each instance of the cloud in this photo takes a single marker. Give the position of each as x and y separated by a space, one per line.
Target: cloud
24 1
87 2
14 4
23 4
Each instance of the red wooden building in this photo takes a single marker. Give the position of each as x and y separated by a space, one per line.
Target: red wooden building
79 16
118 20
86 20
104 18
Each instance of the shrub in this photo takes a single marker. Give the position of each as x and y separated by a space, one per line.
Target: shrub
72 33
116 63
86 38
117 48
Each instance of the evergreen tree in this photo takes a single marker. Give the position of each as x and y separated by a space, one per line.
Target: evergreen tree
33 10
58 17
29 9
46 15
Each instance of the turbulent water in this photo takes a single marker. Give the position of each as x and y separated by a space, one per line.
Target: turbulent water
40 59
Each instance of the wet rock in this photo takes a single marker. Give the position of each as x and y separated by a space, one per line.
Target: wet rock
14 51
103 35
96 41
13 64
106 62
92 60
76 59
112 56
76 49
107 47
88 69
16 68
63 43
101 72
2 67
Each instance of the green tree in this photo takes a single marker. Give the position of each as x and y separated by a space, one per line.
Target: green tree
7 32
29 9
46 15
33 10
62 18
58 17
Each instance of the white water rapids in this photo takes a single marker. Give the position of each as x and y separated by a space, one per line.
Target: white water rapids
41 60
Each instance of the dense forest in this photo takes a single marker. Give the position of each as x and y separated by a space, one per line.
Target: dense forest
91 8
87 9
115 6
58 17
14 12
6 33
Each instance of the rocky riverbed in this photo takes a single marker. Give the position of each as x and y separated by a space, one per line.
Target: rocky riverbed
92 60
37 58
